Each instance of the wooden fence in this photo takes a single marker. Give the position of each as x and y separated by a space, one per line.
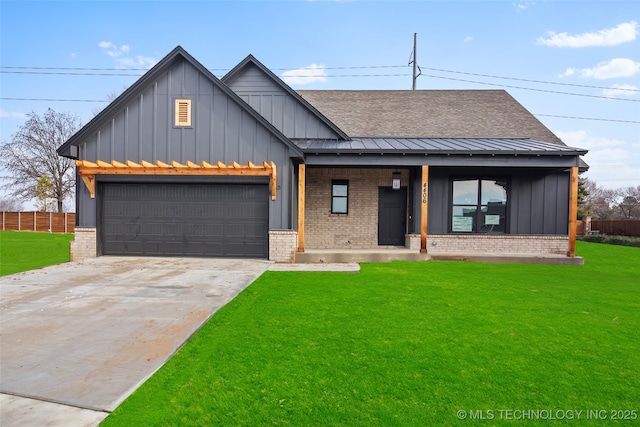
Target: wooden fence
617 227
53 222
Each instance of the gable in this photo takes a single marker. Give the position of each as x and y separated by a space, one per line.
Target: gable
279 104
141 123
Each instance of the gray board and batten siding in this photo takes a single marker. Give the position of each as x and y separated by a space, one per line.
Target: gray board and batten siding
139 125
279 104
538 199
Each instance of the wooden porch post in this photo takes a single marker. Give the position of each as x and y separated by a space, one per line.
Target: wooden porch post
301 191
573 210
424 209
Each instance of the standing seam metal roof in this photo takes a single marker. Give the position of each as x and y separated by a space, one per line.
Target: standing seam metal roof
437 146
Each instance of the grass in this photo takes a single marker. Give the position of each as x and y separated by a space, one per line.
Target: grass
407 344
23 250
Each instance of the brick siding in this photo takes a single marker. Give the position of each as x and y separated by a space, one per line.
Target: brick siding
496 244
84 244
283 245
359 228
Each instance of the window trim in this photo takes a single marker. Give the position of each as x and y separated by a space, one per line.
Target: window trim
478 204
339 182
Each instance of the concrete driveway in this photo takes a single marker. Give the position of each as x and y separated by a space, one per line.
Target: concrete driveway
87 334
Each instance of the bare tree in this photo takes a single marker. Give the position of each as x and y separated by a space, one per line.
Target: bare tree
31 155
10 204
629 205
599 202
109 98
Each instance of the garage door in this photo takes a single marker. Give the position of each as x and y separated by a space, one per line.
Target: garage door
185 220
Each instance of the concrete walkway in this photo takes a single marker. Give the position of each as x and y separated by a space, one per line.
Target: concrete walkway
78 338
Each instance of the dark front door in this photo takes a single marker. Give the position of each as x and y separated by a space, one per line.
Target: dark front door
392 214
210 220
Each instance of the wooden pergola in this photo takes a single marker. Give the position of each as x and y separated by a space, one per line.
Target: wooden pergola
88 170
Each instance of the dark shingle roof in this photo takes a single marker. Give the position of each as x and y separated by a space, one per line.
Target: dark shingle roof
429 113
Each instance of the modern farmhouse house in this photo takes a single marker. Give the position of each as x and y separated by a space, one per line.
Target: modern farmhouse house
186 164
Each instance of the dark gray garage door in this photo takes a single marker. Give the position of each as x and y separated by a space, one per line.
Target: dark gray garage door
185 220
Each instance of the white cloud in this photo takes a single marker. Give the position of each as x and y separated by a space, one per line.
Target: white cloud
616 68
121 56
612 163
582 139
468 39
138 62
621 90
523 4
12 114
625 32
112 50
302 76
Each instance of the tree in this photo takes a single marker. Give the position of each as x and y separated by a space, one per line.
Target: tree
10 205
31 154
629 205
45 192
583 195
599 202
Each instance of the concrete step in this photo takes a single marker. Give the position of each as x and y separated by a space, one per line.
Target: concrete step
359 255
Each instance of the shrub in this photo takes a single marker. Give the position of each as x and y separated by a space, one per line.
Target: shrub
612 240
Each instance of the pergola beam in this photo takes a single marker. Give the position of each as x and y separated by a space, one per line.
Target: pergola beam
88 170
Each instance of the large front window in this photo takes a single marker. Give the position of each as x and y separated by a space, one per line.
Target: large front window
479 206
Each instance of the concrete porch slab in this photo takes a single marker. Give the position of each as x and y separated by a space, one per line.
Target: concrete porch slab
330 257
313 256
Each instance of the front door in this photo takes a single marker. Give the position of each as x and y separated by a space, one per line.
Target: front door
392 214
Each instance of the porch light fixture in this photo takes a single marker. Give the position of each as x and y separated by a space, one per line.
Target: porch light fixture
396 181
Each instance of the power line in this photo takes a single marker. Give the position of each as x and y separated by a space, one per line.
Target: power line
361 67
138 75
587 118
530 81
53 100
379 75
104 100
69 74
530 88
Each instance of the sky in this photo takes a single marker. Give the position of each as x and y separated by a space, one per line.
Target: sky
574 64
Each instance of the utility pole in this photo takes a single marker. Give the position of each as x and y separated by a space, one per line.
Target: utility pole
415 60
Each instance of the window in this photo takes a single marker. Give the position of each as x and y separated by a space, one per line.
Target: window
183 112
479 206
339 196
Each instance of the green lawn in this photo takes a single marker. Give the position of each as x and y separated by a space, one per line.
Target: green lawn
24 250
411 344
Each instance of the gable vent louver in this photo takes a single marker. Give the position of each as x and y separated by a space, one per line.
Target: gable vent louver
183 112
